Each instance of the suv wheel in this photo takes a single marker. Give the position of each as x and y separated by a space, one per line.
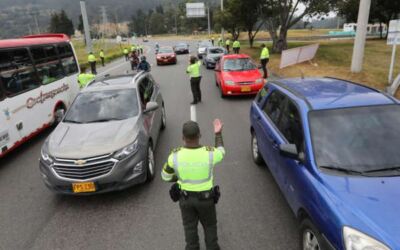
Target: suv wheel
257 158
163 118
310 238
150 162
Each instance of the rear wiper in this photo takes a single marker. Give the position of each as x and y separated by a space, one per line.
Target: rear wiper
383 169
344 170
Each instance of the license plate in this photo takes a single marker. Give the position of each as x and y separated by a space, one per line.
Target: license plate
246 89
83 187
4 138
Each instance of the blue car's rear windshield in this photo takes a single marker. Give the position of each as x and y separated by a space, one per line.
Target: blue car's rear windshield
360 139
102 106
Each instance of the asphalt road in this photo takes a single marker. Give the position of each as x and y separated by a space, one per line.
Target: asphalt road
252 213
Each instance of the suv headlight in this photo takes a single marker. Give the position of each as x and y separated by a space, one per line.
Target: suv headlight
229 82
355 240
126 151
259 81
44 155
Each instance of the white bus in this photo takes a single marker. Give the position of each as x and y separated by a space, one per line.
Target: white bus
38 82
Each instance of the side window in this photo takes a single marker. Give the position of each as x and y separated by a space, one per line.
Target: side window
1 91
145 90
16 72
67 59
274 106
47 64
262 93
291 127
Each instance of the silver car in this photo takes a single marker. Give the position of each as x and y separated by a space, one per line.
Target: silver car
201 48
106 140
212 56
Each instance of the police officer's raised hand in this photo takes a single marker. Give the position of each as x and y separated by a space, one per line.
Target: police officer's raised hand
218 125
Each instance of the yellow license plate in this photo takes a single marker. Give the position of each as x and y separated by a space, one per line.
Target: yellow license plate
83 187
246 89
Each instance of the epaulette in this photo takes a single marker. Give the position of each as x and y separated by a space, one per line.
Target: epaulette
176 149
208 148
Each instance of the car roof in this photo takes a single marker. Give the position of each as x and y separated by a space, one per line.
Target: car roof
330 93
128 81
235 56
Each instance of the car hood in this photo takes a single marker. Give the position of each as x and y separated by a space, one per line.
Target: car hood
165 54
369 202
214 56
77 141
242 76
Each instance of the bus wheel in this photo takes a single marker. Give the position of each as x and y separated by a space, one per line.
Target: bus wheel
59 114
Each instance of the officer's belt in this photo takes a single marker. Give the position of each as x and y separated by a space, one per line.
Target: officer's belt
201 195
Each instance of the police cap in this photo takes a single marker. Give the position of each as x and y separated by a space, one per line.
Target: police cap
191 130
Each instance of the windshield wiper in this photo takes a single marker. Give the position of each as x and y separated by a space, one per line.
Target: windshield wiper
104 120
396 168
341 169
72 121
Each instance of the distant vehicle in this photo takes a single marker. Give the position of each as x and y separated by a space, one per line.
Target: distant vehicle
166 55
181 48
124 39
212 56
333 148
145 39
106 140
38 82
238 75
201 48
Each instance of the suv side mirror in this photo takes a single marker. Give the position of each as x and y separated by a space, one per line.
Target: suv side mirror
150 106
289 150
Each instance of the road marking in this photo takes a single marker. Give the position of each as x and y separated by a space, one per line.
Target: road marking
193 115
110 69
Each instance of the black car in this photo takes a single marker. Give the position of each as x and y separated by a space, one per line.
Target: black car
182 48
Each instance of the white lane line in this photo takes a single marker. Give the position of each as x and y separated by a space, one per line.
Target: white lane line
111 69
193 115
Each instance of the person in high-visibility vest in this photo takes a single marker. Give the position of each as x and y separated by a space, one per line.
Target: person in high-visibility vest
102 57
195 78
84 78
220 42
212 41
227 44
264 58
133 47
236 47
126 54
141 49
92 62
192 167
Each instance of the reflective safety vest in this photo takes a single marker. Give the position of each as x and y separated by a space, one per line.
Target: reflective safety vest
84 79
91 58
194 167
236 44
264 53
228 42
126 51
194 69
133 48
101 54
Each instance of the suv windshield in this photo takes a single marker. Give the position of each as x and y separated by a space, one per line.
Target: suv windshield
362 139
239 64
102 106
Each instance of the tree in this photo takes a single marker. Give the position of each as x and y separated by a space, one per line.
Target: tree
281 15
226 20
60 23
156 23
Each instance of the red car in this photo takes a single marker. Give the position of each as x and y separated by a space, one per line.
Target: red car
238 75
166 55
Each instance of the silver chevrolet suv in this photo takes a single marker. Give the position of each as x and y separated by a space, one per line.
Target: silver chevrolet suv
106 140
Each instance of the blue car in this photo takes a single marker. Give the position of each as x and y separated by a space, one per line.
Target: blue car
333 148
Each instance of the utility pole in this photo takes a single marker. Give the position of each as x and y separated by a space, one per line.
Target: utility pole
176 25
209 22
361 35
105 23
86 27
36 22
222 28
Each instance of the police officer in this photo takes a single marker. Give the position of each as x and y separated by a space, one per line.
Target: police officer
101 54
228 44
126 54
92 62
84 78
212 41
264 58
192 167
195 77
236 47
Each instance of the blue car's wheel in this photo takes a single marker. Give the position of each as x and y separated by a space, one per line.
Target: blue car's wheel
257 158
310 238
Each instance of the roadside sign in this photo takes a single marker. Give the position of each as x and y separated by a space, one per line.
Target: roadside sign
194 10
394 33
298 55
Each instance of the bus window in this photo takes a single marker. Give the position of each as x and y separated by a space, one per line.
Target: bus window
67 59
1 92
47 64
16 72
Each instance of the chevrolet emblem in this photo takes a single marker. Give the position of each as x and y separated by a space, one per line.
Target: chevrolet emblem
80 162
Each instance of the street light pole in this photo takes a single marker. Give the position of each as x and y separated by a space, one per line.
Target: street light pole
361 35
209 23
222 28
86 27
